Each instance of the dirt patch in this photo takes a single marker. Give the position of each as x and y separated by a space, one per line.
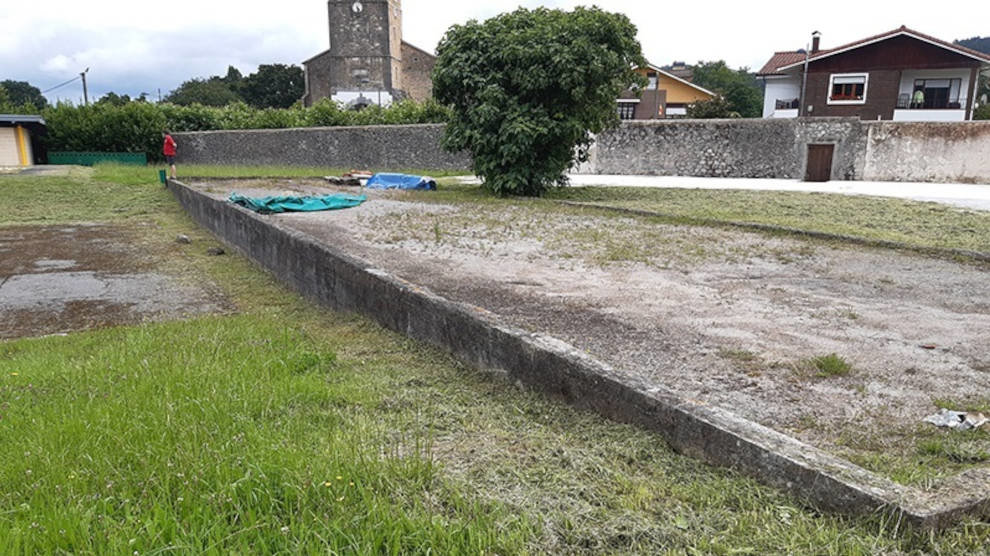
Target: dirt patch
729 318
64 278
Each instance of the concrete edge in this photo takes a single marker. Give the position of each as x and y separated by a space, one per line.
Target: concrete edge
944 252
343 282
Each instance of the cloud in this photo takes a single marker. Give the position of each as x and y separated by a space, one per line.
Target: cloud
140 47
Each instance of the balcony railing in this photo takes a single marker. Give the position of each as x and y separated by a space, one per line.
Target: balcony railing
793 104
940 102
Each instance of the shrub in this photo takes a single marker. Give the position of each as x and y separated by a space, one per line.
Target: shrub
528 88
137 126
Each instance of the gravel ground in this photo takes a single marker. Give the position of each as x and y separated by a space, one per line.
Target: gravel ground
729 318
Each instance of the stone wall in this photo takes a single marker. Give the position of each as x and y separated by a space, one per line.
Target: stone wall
725 148
374 147
928 152
778 148
875 151
417 72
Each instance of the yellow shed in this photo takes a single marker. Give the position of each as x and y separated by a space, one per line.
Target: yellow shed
18 137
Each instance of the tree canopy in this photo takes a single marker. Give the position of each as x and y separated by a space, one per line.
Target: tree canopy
528 88
976 43
21 92
739 88
272 86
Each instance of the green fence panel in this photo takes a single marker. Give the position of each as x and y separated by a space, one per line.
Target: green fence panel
91 158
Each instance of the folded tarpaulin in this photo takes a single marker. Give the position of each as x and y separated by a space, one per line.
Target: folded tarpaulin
400 181
288 203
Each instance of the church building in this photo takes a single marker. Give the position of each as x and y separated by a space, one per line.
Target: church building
368 62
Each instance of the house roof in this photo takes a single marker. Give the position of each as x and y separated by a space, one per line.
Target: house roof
783 61
14 119
684 81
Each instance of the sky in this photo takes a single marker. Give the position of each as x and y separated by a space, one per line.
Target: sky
147 47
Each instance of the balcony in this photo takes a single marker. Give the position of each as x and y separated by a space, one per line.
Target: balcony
931 102
792 104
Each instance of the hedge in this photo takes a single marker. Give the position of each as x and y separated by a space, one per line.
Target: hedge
136 126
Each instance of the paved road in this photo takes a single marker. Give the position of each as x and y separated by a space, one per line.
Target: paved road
956 194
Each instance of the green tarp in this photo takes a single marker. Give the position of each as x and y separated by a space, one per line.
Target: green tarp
287 203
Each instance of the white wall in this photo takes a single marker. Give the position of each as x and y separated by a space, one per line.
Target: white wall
8 147
780 88
929 115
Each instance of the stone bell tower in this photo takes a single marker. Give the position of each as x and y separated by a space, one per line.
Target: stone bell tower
364 62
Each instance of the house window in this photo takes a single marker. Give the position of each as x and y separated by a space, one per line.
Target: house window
848 88
627 110
652 78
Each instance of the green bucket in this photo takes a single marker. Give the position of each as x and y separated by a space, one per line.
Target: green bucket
162 176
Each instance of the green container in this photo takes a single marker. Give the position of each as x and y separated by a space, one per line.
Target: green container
162 177
91 158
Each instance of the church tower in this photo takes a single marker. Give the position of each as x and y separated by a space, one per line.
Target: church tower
364 62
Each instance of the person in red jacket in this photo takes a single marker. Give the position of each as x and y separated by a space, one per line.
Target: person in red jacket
168 149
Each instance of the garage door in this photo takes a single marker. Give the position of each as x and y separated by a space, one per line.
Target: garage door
8 147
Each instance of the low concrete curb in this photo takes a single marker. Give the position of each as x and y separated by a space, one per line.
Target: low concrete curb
944 252
340 281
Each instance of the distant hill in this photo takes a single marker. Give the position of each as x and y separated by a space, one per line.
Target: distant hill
976 43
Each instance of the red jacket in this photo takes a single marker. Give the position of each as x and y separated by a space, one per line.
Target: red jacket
169 148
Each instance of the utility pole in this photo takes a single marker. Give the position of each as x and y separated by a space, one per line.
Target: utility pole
85 92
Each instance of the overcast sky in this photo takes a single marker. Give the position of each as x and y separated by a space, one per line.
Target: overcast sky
134 47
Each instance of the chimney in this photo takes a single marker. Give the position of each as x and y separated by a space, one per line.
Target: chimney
816 40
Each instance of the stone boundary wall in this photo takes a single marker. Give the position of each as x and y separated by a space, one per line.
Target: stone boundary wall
748 148
777 148
398 147
928 152
340 281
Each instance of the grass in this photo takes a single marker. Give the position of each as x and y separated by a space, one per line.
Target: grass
285 428
918 224
830 365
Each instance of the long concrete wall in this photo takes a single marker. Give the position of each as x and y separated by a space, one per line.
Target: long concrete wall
875 151
370 147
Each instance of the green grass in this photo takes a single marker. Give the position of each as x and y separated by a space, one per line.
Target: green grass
924 225
830 365
220 435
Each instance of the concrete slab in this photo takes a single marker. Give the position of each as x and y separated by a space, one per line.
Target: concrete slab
59 279
318 260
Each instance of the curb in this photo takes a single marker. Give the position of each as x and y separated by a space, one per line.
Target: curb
342 282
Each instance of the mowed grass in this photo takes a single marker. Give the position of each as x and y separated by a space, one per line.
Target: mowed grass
286 428
918 224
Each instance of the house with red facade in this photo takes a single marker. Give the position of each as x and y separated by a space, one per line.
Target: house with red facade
901 75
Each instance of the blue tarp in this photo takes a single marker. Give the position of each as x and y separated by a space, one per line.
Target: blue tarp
400 181
287 203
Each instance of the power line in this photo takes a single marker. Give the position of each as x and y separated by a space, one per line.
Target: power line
61 84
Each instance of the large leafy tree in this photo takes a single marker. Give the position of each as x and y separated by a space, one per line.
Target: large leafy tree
214 91
22 92
739 88
529 88
273 86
